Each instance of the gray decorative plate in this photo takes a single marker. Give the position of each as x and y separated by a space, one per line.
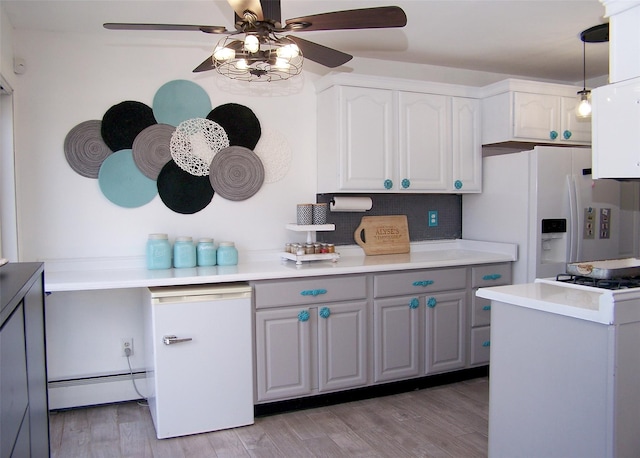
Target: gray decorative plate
85 149
236 173
151 150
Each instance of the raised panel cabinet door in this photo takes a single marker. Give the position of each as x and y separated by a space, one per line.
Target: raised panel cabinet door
574 129
424 142
396 338
367 139
445 330
342 345
466 148
537 116
283 352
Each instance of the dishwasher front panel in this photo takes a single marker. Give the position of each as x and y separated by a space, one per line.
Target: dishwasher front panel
199 367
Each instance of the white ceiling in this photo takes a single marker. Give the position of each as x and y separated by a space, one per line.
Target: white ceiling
537 39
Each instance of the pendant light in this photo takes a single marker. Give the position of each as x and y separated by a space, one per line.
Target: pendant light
595 34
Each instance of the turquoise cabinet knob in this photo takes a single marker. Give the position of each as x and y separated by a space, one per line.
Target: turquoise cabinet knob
313 292
486 343
553 135
388 184
405 183
492 277
303 315
486 308
457 184
414 303
423 283
324 312
431 302
566 134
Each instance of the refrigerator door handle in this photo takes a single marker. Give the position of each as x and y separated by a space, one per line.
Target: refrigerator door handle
573 234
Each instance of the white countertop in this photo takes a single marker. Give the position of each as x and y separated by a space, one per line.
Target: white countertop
92 274
576 301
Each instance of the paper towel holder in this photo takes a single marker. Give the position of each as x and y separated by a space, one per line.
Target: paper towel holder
350 204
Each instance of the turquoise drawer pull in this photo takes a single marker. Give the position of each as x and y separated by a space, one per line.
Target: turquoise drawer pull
486 343
423 283
486 308
313 292
405 183
414 303
457 184
492 277
303 315
566 134
388 184
324 312
431 302
553 135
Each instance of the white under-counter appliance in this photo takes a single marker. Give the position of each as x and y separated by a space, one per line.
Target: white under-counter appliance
199 358
565 366
547 202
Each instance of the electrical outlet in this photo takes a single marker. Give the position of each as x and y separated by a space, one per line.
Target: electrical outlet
124 344
433 218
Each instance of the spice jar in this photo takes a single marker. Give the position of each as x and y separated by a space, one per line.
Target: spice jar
206 252
184 253
158 252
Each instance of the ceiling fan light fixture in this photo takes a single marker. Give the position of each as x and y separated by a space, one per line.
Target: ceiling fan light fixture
275 58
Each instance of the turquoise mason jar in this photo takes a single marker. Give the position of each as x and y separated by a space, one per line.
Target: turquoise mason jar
227 254
184 253
206 252
158 252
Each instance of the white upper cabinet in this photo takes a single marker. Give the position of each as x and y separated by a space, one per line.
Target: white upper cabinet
525 111
385 139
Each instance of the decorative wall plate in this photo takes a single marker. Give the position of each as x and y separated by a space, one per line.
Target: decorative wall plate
236 173
85 149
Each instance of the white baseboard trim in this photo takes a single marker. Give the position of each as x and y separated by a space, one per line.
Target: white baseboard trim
64 394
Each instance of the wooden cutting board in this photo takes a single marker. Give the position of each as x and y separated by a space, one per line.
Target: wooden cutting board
383 234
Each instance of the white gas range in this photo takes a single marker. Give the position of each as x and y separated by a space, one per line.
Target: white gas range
565 370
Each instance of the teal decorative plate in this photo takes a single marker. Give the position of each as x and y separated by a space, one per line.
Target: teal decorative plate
179 100
123 183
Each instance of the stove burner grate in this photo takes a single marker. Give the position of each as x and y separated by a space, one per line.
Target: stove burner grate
610 283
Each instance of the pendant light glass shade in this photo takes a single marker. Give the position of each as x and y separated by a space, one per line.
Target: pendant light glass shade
583 109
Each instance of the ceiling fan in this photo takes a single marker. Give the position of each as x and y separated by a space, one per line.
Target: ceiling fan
258 50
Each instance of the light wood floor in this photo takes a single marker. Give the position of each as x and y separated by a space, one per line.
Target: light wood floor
444 421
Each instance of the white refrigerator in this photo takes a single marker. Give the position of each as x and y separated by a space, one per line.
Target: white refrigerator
546 201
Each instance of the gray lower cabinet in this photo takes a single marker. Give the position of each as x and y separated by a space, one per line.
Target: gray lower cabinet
24 413
480 331
315 346
422 333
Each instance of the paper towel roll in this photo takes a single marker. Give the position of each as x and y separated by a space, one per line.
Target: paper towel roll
351 204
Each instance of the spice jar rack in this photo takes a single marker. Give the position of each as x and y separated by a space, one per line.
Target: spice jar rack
310 229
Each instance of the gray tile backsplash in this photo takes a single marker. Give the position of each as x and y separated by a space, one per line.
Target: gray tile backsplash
415 206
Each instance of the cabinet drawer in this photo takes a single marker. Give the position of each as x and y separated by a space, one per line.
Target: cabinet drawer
491 275
310 291
480 311
480 345
419 282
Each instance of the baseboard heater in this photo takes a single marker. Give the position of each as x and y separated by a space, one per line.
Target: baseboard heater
105 389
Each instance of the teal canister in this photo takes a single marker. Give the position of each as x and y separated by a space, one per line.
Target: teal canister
206 252
227 254
184 253
158 252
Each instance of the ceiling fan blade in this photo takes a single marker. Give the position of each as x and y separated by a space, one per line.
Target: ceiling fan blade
323 55
205 66
365 18
240 6
179 27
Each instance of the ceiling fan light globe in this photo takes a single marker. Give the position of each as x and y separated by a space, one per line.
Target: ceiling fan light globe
242 64
251 44
289 51
282 63
223 54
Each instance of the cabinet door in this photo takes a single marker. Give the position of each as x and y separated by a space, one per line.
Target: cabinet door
536 116
283 352
342 345
466 145
424 142
445 329
367 139
574 129
396 338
